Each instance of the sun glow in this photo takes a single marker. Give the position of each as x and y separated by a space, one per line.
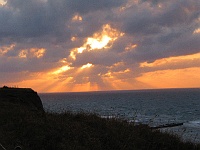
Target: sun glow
88 65
6 49
3 2
38 52
62 69
197 31
98 44
177 71
99 40
73 38
23 53
77 17
171 60
129 4
130 47
184 78
33 52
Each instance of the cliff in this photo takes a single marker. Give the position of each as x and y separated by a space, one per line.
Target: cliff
21 96
37 130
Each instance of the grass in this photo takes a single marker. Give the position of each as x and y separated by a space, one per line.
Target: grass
67 131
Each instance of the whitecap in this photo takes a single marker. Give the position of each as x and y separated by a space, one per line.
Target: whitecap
134 121
108 117
194 124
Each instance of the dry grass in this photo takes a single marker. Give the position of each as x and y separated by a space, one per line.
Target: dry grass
67 131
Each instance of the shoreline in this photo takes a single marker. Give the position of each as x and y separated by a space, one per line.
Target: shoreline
23 125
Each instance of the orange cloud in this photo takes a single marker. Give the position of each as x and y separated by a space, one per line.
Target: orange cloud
38 52
61 69
179 78
88 65
77 17
118 77
23 53
171 60
196 31
6 49
33 52
99 40
130 47
172 72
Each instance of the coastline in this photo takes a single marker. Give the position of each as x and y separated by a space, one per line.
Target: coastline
31 129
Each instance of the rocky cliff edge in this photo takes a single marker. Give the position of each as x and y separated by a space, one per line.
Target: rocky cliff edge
21 96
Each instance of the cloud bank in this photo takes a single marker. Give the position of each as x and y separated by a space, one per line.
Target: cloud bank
85 45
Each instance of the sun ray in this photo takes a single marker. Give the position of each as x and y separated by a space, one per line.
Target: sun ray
99 40
88 65
61 69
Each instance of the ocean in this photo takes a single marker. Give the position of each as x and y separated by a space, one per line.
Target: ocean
152 107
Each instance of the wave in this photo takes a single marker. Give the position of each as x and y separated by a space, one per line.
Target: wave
193 124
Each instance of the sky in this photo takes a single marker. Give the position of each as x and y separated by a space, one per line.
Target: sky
98 45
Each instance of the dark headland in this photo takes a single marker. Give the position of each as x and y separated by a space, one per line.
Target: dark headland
22 97
24 123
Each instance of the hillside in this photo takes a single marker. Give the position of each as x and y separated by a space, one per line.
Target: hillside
25 124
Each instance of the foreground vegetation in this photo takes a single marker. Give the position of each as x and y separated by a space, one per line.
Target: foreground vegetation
34 130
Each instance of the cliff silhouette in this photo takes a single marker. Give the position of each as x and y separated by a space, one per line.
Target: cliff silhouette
21 97
24 125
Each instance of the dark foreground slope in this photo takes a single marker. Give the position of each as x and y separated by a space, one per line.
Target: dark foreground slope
36 130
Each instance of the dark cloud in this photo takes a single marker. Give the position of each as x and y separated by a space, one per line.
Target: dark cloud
40 18
91 5
145 19
32 19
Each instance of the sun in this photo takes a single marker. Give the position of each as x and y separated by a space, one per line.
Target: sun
98 43
88 65
3 2
103 39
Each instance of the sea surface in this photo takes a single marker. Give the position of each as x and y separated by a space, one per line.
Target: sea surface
152 107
